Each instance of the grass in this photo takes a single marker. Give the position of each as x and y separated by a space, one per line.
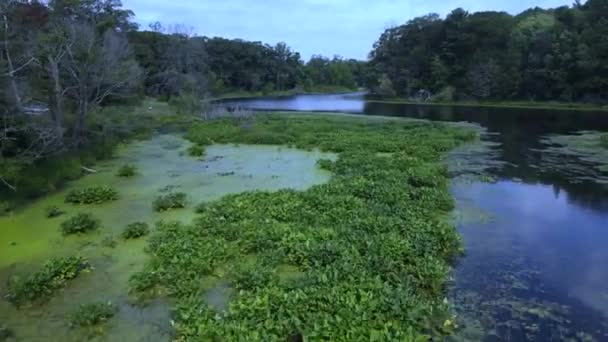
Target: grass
54 275
174 200
89 315
499 104
371 250
80 223
92 195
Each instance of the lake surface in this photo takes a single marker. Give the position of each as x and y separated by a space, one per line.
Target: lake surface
536 266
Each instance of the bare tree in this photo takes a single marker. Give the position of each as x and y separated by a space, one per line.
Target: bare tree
99 66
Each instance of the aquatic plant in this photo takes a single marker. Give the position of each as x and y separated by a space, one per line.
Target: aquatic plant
54 211
174 200
604 140
372 246
89 315
79 224
92 195
109 242
135 230
54 275
127 171
196 151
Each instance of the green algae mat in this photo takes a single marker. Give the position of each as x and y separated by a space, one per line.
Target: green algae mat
296 226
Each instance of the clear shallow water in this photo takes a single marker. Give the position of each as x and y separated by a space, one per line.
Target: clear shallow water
536 260
28 238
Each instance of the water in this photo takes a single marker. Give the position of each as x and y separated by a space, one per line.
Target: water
535 266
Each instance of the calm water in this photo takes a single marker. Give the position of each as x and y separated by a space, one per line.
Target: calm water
537 258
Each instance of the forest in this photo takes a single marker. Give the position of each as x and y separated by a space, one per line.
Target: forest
556 54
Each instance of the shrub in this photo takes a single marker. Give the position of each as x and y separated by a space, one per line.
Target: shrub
79 224
54 275
89 315
604 140
135 230
127 171
175 200
54 211
196 151
92 195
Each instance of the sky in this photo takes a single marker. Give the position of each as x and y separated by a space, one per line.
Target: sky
347 28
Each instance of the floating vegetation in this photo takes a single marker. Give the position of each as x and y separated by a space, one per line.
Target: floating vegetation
175 200
89 315
109 242
54 275
54 211
135 230
196 151
372 246
80 223
92 195
127 171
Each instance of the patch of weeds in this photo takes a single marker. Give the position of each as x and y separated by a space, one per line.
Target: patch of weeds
80 223
127 171
175 200
135 230
109 242
89 315
92 195
196 151
376 233
54 211
43 284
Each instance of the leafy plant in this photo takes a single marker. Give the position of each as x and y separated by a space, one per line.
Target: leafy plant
92 195
54 211
54 275
175 200
89 315
81 223
135 230
196 151
127 171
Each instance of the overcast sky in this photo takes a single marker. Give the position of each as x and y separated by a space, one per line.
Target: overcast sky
328 27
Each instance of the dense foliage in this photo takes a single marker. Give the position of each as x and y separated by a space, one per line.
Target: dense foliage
174 200
556 54
89 315
363 257
54 275
135 230
80 223
91 195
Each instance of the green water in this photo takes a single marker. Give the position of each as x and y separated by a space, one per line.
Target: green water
28 238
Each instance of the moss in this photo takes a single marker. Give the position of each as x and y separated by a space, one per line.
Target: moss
43 284
89 315
92 195
175 200
80 223
127 171
135 230
375 234
54 211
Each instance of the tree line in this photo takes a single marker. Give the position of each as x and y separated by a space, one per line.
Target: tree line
556 54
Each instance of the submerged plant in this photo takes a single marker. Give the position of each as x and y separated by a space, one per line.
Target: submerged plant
89 315
54 275
196 151
135 230
174 200
127 171
92 195
79 224
371 247
54 211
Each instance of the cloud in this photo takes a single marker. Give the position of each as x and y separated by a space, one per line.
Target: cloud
343 27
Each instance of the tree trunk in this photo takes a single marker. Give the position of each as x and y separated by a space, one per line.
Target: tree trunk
55 97
11 69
